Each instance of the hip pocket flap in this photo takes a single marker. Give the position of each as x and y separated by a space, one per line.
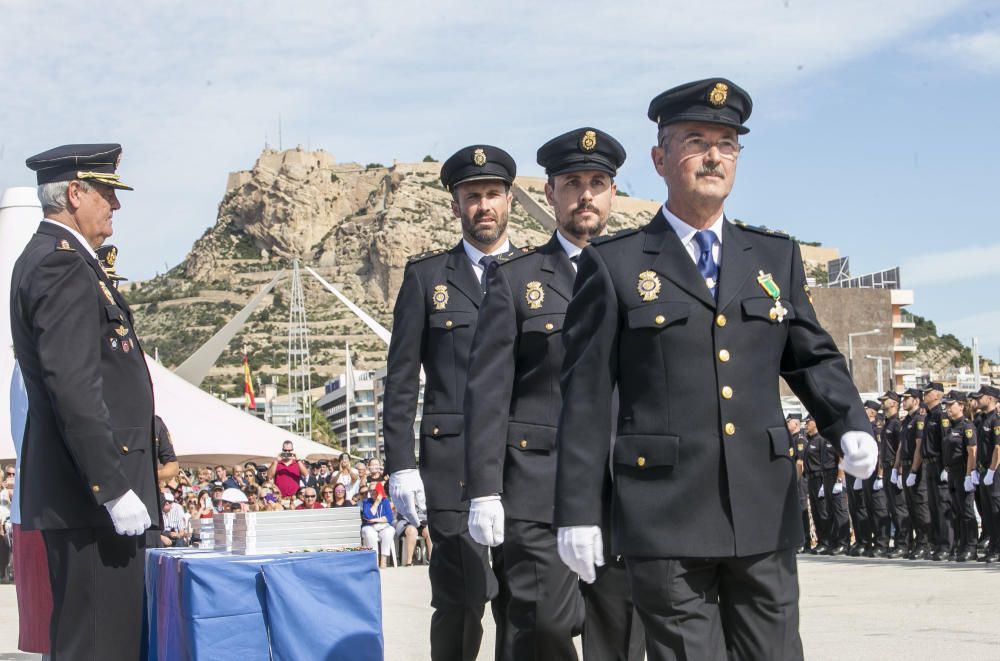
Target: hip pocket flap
642 451
525 436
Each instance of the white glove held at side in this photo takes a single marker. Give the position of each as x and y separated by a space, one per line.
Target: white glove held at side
486 519
969 486
581 549
877 484
128 514
838 487
857 484
406 489
911 480
822 492
894 476
988 479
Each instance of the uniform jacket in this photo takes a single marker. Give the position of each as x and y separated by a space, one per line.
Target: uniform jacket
911 432
820 455
512 399
703 462
935 422
434 321
891 434
956 439
987 434
89 437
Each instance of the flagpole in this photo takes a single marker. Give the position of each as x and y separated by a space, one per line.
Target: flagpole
349 378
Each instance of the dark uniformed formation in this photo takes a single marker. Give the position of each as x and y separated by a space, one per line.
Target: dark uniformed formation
88 475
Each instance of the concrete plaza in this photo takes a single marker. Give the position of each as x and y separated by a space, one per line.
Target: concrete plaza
855 609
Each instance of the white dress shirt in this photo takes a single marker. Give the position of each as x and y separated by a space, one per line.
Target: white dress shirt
79 237
686 234
572 250
475 254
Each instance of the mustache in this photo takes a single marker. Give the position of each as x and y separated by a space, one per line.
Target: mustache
587 207
485 215
714 171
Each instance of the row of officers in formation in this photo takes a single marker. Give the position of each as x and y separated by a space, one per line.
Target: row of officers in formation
934 494
602 446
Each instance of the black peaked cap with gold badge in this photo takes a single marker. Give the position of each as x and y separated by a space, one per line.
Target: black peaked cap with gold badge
713 100
478 162
107 255
581 149
95 163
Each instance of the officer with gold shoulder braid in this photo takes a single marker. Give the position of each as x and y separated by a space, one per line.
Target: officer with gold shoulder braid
512 404
434 321
695 319
88 474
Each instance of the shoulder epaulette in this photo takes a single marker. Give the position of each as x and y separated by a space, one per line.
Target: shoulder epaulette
424 255
64 246
761 230
611 236
515 253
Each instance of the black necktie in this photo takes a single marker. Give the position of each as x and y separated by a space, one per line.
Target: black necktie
575 258
485 262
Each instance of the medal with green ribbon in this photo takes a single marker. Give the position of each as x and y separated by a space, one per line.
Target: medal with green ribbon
770 287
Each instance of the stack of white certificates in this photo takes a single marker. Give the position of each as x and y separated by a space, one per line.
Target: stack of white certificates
251 533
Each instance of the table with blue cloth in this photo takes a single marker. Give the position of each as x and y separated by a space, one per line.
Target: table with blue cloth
206 606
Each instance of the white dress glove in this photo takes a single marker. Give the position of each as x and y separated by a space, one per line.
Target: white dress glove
860 453
911 480
128 514
877 484
857 484
988 480
486 520
899 482
822 492
943 477
581 548
894 478
838 487
969 486
406 491
975 477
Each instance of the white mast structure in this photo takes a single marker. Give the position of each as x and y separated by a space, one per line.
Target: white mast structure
299 367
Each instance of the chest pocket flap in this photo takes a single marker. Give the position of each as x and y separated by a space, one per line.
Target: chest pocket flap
659 315
543 323
760 308
449 320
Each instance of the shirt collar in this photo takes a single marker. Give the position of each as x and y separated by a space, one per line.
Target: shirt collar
686 233
475 254
77 235
572 250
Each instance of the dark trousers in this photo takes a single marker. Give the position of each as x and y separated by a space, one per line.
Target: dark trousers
855 511
833 525
993 492
916 502
612 629
718 608
872 515
899 514
97 579
939 504
462 581
545 609
982 493
962 507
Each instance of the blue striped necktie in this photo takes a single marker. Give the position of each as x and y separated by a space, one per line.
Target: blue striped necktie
706 264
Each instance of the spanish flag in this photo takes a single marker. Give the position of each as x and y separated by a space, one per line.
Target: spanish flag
248 383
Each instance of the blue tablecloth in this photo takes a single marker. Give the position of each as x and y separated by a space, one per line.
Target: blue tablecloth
205 606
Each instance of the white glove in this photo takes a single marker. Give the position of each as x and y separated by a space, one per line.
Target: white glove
822 492
899 482
975 477
486 520
406 489
894 478
988 480
581 548
857 484
911 480
838 487
944 476
968 483
860 453
877 484
128 514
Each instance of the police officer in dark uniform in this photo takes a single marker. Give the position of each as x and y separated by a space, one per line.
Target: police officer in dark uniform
871 529
512 406
88 475
793 421
899 515
958 456
990 449
909 475
695 318
935 472
984 421
434 321
826 494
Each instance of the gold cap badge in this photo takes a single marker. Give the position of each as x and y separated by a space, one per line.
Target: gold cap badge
534 294
648 285
479 157
440 297
588 142
717 97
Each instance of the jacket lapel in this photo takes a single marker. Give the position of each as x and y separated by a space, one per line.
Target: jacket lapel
737 264
560 271
673 261
461 275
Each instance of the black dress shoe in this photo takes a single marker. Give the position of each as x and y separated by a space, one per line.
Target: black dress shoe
840 549
872 553
856 551
897 552
966 556
820 549
938 556
992 557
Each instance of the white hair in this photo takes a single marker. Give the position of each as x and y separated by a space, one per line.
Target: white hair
53 195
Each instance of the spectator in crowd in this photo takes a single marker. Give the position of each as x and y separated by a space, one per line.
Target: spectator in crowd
174 525
358 489
325 476
217 504
338 497
193 512
236 480
253 498
287 470
165 454
313 480
234 500
409 534
220 476
206 506
251 474
344 474
376 522
375 473
309 500
326 495
6 498
204 478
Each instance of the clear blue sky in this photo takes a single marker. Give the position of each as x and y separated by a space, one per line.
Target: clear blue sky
874 124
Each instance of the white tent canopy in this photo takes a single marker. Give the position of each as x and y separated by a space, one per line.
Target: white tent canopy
203 428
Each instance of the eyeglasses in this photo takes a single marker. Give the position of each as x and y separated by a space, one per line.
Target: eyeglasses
309 496
694 146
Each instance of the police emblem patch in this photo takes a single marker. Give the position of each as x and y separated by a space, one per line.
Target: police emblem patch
920 424
588 142
534 294
479 157
717 97
648 285
106 291
114 342
440 297
968 433
946 423
126 346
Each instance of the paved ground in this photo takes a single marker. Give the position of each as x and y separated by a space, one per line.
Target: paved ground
852 609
